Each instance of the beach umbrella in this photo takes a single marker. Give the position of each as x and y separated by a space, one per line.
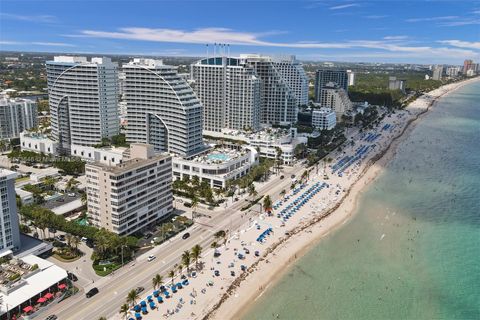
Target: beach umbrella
28 309
136 308
149 298
159 299
138 315
156 293
48 296
143 303
152 305
144 310
61 286
41 300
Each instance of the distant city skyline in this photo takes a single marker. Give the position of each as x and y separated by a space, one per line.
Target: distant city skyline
358 31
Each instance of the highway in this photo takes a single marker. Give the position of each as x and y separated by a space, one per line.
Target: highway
114 288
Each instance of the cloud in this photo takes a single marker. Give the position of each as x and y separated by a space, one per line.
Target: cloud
34 18
432 19
376 16
395 37
344 6
36 43
461 44
394 46
458 23
476 12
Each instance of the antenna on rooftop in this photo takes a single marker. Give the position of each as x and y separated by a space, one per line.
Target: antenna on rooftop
207 51
214 49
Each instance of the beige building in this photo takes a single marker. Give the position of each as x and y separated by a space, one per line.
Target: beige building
131 195
336 98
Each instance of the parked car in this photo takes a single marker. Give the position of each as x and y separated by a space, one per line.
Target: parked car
72 277
91 292
90 243
185 235
147 236
71 194
292 176
139 289
60 237
84 239
281 177
151 258
51 317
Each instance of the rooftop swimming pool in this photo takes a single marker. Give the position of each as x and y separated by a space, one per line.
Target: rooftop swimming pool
218 157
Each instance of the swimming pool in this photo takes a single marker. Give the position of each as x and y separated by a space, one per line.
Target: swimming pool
218 157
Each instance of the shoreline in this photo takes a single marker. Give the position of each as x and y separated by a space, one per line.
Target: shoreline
238 298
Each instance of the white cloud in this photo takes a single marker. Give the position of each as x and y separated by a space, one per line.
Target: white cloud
36 43
344 6
395 37
461 44
432 19
36 18
458 23
376 16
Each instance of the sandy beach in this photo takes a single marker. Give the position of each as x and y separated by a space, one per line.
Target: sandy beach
255 256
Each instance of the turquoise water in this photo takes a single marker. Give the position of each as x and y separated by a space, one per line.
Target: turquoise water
412 251
218 156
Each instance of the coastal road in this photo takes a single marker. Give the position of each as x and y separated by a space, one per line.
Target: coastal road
114 288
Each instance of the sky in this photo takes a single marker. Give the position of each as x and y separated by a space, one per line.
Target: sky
407 31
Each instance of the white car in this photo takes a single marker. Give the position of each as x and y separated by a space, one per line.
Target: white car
151 258
71 194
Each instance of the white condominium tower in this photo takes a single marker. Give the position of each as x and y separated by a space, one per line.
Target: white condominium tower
16 115
279 103
9 230
83 100
293 73
162 109
229 92
130 195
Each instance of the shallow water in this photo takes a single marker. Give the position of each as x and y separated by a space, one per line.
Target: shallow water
412 251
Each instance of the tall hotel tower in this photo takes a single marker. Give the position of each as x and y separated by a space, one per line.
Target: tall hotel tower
162 109
229 92
83 100
9 230
293 73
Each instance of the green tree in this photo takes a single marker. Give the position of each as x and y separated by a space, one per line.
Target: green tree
196 254
171 274
186 260
125 310
157 281
267 203
194 206
132 297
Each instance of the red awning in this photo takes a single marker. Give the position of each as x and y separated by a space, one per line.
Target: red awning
27 309
62 286
41 300
48 296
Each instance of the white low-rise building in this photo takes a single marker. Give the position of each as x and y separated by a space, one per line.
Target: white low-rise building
105 155
38 277
268 141
324 119
37 142
216 166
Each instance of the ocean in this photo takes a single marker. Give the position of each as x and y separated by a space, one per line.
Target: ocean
412 250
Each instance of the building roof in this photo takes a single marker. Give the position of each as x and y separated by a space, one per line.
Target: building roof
49 275
68 207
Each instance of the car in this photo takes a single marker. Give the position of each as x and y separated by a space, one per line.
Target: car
60 237
139 289
185 236
71 194
84 239
257 253
147 236
60 200
151 258
217 273
91 292
281 177
232 273
72 277
216 254
52 230
90 243
51 317
292 176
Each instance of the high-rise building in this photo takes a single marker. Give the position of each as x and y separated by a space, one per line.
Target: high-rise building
396 84
468 65
335 98
437 72
229 92
16 115
351 77
324 119
83 100
452 71
324 76
162 109
9 229
131 195
279 104
293 73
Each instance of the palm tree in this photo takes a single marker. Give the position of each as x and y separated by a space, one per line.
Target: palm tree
267 203
102 318
251 190
84 198
221 234
125 310
186 259
194 206
278 158
157 281
283 192
132 297
214 245
171 274
196 252
74 242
